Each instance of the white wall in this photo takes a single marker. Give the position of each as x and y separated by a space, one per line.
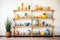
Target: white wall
7 7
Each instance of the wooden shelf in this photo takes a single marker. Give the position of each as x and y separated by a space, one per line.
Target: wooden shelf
33 26
42 10
43 36
42 26
33 34
21 18
22 35
23 27
44 18
33 18
31 10
21 10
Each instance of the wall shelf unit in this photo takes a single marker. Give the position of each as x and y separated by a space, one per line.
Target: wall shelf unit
33 23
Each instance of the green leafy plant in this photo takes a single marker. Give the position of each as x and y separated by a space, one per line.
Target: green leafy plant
8 25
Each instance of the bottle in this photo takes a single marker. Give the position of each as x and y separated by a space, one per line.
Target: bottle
37 22
22 5
26 15
51 16
43 23
29 7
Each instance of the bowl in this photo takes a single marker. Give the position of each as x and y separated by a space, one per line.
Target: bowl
27 23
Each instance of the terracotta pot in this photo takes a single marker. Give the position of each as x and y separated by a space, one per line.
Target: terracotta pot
8 34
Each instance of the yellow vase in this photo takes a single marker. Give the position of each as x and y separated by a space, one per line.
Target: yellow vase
44 16
42 33
36 7
16 17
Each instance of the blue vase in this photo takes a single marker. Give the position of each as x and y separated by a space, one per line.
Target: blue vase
46 24
47 32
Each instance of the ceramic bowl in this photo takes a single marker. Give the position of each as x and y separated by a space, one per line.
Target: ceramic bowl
27 23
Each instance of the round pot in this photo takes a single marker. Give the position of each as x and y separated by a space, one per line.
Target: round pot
47 32
44 15
8 34
27 24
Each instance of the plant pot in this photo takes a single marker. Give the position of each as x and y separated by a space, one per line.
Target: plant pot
8 34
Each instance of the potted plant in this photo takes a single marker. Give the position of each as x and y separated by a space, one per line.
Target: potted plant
8 28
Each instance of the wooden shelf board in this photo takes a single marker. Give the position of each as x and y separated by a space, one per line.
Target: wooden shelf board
23 27
21 10
42 26
31 18
42 36
22 35
21 18
34 27
34 35
42 10
43 18
31 10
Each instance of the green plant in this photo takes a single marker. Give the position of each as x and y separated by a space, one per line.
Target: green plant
8 25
